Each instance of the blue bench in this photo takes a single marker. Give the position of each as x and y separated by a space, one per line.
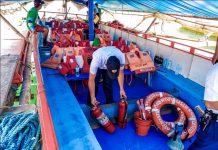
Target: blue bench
85 76
71 126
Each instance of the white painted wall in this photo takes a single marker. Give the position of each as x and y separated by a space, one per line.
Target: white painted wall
193 67
199 69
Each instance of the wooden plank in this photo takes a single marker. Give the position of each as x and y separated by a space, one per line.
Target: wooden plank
8 65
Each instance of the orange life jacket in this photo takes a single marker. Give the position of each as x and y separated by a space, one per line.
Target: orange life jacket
139 61
146 62
87 57
134 61
54 60
71 60
54 23
133 47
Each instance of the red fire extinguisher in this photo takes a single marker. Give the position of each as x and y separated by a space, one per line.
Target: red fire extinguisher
122 113
103 119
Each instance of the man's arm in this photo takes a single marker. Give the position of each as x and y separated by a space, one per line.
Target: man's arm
91 84
121 83
212 105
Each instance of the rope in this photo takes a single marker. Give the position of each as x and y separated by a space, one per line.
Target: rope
20 131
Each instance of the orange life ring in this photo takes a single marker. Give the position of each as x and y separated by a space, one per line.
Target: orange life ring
149 100
191 128
157 95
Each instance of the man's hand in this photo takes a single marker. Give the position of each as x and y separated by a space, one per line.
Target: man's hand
123 94
94 101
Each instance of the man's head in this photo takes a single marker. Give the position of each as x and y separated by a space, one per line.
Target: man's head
96 4
113 67
38 4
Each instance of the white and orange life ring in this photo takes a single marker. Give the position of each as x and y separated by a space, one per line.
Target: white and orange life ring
192 125
149 100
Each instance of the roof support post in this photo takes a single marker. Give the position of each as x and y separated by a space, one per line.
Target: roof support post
91 23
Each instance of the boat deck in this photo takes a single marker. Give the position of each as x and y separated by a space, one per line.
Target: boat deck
69 114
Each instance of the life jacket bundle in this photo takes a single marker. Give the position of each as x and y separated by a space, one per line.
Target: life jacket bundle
98 31
140 61
54 23
61 40
63 68
102 40
69 24
121 44
54 60
116 24
65 42
54 37
133 47
72 56
69 62
85 43
105 39
87 57
74 36
84 25
80 33
77 25
66 30
67 66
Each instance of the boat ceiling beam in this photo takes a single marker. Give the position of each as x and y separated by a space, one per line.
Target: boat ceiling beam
143 19
151 24
13 28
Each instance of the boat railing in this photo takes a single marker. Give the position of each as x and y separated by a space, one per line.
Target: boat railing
179 46
74 15
47 128
195 62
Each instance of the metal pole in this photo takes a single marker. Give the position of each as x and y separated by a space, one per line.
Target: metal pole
65 10
13 28
91 23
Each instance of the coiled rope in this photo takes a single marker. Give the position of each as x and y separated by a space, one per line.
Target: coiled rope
20 131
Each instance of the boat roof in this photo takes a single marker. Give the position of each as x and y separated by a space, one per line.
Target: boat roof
200 8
